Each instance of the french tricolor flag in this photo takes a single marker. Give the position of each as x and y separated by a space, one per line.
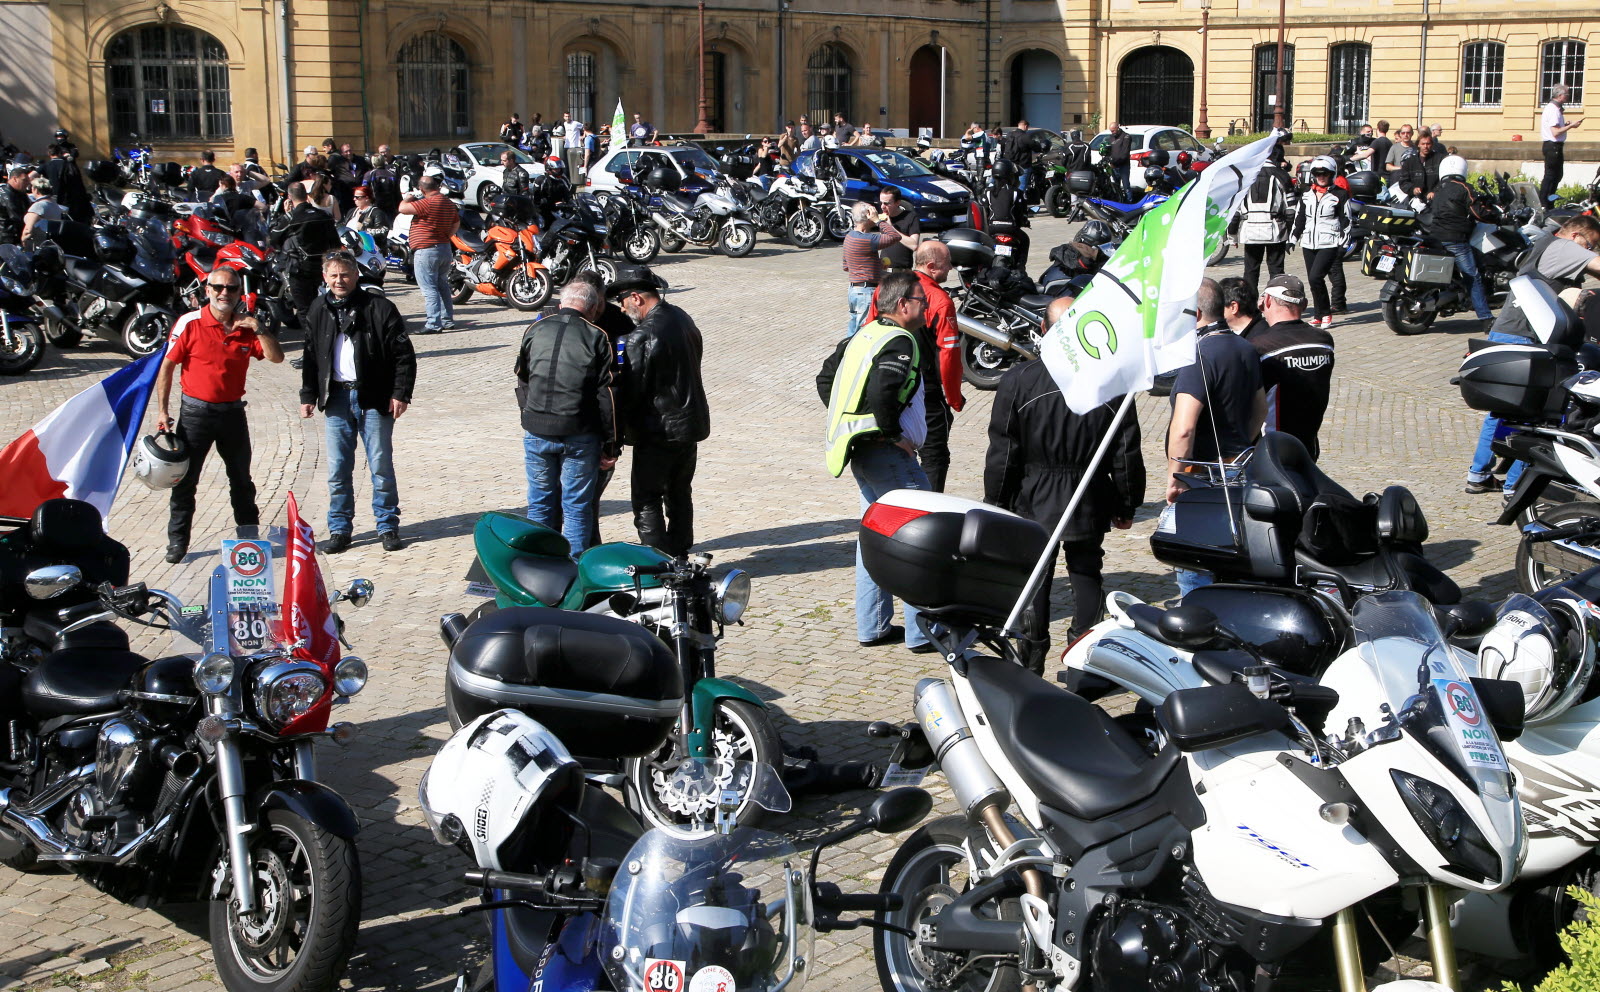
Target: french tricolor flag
80 449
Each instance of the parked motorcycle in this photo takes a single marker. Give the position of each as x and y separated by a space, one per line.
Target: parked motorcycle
115 280
784 206
189 776
710 218
526 564
998 328
1274 807
21 339
205 242
499 256
577 240
1123 217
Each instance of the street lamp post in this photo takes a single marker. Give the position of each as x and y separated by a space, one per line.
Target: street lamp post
703 126
1277 107
1202 128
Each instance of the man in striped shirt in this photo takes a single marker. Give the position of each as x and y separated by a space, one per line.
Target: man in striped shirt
873 232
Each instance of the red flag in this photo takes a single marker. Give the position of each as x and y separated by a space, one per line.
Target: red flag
309 627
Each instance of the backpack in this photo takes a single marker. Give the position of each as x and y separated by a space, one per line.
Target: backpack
1266 215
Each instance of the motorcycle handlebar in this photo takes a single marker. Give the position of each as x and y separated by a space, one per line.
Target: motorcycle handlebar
661 568
1587 527
505 880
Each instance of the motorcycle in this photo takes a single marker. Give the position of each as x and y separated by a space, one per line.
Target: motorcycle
998 328
1078 859
1421 280
707 213
526 564
371 265
1123 217
115 280
784 207
188 776
204 242
630 232
21 340
577 240
499 256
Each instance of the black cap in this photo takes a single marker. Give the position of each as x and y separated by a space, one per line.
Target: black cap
635 277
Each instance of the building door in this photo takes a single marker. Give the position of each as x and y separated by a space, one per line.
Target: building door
927 98
1349 78
1036 89
1267 86
1156 86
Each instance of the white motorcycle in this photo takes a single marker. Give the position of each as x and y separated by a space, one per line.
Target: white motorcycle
784 205
1276 804
712 219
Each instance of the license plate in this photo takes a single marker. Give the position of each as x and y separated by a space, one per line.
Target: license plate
1385 263
1002 249
895 777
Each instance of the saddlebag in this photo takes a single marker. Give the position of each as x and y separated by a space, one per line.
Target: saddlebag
1427 266
1517 381
605 687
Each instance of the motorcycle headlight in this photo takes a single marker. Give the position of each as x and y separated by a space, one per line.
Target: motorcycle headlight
218 238
349 676
14 286
732 595
213 674
287 690
1448 827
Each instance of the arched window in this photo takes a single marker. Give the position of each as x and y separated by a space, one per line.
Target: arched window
828 89
1561 62
435 87
167 81
581 87
1349 78
1483 73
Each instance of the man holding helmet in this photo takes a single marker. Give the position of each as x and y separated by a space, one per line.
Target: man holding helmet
1450 222
214 346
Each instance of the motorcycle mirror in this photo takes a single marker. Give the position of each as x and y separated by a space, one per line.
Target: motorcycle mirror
1504 704
1188 627
359 592
52 580
1467 619
899 810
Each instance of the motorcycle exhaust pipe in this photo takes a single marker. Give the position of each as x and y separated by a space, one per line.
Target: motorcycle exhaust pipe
1564 554
451 627
971 778
973 327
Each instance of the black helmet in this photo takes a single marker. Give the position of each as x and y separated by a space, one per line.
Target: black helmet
61 134
1154 175
1096 232
1157 156
1003 172
101 171
661 178
632 277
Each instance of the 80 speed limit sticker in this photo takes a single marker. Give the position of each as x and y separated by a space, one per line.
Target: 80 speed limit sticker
662 975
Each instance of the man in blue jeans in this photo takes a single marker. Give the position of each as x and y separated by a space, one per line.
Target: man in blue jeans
358 369
564 390
1451 223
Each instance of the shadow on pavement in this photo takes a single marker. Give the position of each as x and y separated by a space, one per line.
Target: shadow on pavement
786 534
798 559
449 352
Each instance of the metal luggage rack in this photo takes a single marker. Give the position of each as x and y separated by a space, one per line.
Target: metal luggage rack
1221 474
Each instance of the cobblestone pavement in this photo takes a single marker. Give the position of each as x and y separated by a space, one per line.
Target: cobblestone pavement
764 503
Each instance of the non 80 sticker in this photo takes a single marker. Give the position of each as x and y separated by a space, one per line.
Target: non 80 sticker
663 975
1464 713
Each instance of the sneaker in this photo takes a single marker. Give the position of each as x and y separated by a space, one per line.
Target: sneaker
390 539
1489 485
448 325
1326 322
335 544
429 330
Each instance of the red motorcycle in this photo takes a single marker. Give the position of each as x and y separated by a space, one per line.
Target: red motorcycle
204 241
503 259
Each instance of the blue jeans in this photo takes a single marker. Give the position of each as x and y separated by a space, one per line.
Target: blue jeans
1469 268
1483 454
562 473
346 419
1122 173
880 468
1189 581
860 303
433 276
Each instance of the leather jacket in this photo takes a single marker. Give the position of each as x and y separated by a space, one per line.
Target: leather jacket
665 396
386 365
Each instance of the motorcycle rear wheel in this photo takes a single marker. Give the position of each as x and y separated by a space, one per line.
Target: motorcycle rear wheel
736 240
928 872
642 246
983 364
1533 575
528 293
1407 318
743 733
672 243
308 883
1058 201
460 289
805 228
143 334
60 334
1219 254
27 353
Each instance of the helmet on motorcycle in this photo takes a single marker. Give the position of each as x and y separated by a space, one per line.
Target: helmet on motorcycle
1096 232
1003 172
113 246
1324 163
434 170
661 178
1185 160
1546 645
161 460
1453 165
1154 175
492 788
1157 156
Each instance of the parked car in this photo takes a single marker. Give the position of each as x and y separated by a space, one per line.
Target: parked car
479 162
1147 137
940 203
686 159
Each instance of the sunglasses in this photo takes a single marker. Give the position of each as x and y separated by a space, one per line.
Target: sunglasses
224 287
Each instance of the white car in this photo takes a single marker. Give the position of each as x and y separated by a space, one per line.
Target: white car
606 174
1148 137
479 163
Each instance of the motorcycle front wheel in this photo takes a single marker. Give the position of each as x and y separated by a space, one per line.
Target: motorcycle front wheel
736 240
24 351
142 334
929 872
642 246
525 292
308 890
1534 574
1407 316
487 193
838 223
805 228
1219 254
742 732
983 364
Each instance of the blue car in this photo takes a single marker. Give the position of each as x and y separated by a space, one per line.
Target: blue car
940 203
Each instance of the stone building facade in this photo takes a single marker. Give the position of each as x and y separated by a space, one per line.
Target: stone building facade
279 74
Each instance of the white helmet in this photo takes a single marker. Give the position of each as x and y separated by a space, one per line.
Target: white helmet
434 170
1453 165
1325 162
161 460
1545 646
495 777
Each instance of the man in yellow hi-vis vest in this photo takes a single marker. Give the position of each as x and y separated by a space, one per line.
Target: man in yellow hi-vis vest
876 422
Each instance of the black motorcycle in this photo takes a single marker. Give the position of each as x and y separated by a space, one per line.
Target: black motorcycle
21 340
116 280
577 239
185 777
998 309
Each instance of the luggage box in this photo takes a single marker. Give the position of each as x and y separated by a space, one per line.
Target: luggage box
606 687
1081 183
958 559
969 248
1516 381
1363 185
1376 217
1428 266
1234 532
1379 258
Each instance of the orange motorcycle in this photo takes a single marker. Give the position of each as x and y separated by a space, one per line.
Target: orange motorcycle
501 258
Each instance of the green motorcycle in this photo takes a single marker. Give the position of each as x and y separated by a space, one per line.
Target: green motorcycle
527 564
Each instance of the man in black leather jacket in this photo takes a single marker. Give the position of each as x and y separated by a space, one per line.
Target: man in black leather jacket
667 415
513 178
1419 174
304 234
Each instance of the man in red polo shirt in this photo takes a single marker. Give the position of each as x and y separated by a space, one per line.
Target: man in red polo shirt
214 346
434 218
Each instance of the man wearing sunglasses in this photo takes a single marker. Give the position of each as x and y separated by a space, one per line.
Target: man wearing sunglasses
214 346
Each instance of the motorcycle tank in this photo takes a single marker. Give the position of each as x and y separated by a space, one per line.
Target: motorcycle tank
606 687
1287 626
602 570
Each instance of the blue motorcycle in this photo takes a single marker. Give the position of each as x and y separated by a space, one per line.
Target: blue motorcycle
1123 217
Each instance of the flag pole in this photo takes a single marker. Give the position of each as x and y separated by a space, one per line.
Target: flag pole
1047 561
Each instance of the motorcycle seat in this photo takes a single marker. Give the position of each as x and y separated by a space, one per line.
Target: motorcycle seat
683 203
75 681
1036 301
81 270
1409 571
1281 461
545 579
1064 747
471 239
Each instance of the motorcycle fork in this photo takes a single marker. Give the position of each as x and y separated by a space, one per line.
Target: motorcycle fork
1441 943
231 790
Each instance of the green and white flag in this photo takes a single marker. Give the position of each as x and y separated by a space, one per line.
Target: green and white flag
619 126
1136 320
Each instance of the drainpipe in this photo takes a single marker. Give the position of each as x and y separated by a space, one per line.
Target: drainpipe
283 81
361 50
778 124
988 66
1422 64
